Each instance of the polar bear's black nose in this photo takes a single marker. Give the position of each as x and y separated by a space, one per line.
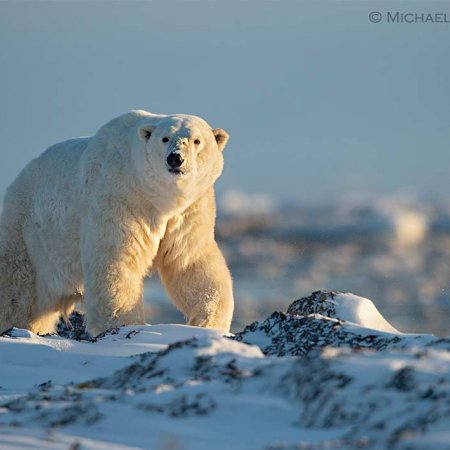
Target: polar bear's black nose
174 159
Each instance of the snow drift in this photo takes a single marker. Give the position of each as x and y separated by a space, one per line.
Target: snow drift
330 372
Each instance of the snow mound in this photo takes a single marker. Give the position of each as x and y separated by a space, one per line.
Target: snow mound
342 306
328 319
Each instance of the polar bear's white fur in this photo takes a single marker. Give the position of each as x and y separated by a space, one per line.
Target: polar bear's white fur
89 218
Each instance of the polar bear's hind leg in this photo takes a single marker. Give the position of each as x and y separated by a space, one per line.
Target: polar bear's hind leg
18 297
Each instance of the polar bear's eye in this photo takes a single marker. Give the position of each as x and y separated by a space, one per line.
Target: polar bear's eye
165 139
197 142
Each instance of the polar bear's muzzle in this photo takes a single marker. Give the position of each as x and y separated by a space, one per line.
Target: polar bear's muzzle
175 161
175 158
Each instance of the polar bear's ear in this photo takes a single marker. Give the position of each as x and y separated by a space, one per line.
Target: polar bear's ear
221 137
145 132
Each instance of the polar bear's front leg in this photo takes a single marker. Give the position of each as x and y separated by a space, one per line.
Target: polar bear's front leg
201 289
113 271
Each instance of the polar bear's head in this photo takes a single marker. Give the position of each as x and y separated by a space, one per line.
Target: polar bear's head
180 157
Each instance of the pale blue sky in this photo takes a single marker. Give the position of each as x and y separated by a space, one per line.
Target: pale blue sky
318 100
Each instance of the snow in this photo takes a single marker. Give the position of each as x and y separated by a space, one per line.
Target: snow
27 359
331 372
361 311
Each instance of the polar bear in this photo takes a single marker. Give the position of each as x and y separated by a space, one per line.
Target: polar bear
89 218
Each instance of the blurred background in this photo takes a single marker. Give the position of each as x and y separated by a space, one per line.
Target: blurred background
337 172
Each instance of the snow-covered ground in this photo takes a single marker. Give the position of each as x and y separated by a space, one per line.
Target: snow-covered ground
329 373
